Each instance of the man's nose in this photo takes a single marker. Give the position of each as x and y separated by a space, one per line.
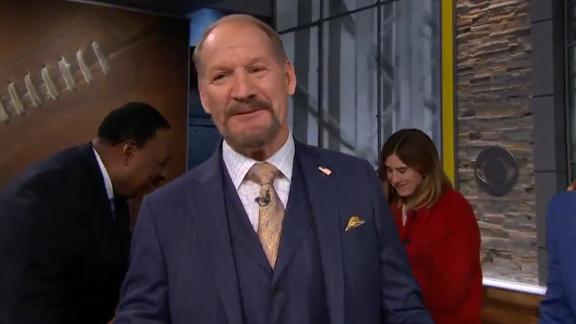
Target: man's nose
242 89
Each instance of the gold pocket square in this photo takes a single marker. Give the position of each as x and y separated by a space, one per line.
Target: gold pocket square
353 222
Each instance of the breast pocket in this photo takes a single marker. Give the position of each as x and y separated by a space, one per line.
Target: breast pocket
359 238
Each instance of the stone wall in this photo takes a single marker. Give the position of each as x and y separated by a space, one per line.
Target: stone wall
493 74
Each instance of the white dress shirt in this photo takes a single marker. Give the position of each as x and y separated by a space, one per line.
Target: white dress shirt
238 166
107 180
105 176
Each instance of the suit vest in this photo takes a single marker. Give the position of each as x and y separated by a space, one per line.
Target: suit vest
293 292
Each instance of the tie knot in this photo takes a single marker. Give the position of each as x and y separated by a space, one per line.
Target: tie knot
262 173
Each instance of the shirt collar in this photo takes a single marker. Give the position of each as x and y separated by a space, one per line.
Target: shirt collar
238 165
105 175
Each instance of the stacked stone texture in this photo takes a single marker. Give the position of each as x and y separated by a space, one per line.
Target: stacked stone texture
493 50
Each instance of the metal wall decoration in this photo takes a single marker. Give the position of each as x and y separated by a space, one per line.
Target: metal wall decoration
65 65
34 92
496 170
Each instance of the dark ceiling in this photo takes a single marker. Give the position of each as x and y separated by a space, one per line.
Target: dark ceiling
167 7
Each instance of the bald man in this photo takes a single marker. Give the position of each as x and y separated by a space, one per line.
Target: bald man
268 230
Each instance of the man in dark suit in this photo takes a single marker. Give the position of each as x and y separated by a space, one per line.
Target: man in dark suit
64 228
268 230
559 304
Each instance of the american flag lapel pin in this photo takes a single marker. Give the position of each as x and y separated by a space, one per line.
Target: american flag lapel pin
324 170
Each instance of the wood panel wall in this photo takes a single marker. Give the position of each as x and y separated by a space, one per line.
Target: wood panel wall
145 59
509 307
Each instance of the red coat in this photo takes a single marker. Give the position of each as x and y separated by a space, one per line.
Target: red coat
443 247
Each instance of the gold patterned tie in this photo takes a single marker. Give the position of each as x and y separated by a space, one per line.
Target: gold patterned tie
271 210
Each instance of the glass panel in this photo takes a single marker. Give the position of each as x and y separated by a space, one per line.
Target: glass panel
411 63
200 20
335 7
302 49
293 13
410 75
349 121
571 16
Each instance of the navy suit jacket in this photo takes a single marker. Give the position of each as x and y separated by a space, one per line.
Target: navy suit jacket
62 256
559 304
182 265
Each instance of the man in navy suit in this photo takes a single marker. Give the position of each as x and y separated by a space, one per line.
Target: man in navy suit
64 227
559 304
268 230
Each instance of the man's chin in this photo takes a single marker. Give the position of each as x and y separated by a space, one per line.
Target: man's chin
141 192
250 141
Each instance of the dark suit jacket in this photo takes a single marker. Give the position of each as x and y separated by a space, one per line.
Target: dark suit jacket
559 304
61 255
182 265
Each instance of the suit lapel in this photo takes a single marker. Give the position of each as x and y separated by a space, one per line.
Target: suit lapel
207 198
101 211
323 197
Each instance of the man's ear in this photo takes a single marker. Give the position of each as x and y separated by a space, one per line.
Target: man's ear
290 77
128 148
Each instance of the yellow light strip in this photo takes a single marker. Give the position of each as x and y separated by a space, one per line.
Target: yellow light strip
448 108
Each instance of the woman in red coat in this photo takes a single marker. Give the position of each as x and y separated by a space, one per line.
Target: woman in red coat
436 225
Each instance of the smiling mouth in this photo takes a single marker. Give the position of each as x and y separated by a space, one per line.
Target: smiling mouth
247 111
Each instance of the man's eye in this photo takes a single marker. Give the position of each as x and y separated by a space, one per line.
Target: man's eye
257 69
219 76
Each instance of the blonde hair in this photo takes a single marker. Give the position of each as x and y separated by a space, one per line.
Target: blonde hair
415 149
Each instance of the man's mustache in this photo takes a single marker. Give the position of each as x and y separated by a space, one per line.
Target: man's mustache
248 106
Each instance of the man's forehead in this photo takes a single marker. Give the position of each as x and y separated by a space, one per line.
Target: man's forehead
243 58
232 55
234 33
